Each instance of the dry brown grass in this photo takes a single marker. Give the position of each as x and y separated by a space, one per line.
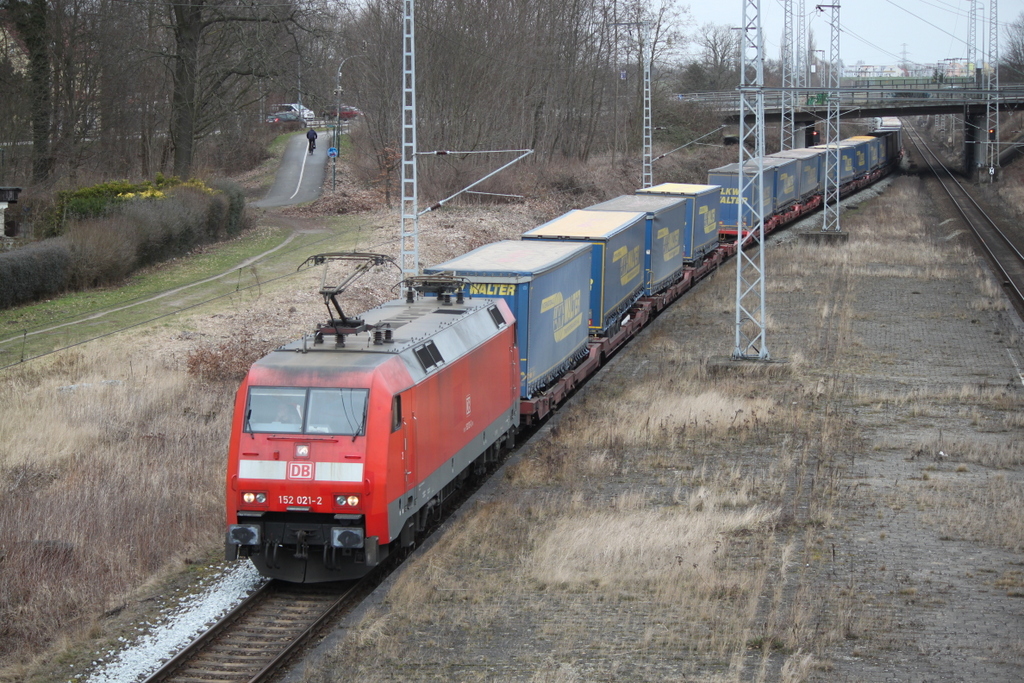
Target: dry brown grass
112 456
703 559
985 511
106 455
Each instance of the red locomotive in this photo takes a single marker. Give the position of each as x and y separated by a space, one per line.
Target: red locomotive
344 444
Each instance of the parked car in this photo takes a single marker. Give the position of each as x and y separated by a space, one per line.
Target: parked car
345 113
305 113
284 116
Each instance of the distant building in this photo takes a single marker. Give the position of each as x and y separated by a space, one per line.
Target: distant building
12 49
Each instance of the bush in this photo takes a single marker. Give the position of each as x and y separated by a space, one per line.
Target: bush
103 251
34 272
138 225
235 220
229 360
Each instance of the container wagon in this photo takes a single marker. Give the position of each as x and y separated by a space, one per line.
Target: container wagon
617 259
547 287
700 234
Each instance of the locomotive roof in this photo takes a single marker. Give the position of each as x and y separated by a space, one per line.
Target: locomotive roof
426 334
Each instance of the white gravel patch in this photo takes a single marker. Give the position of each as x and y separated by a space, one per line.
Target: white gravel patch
178 627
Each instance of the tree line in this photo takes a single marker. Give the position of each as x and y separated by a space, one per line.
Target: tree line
128 88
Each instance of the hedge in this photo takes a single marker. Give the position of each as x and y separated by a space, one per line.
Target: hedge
136 228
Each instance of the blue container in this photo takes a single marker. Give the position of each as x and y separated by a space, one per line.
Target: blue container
847 162
785 176
547 286
665 227
728 207
809 170
700 234
888 132
860 155
618 260
875 150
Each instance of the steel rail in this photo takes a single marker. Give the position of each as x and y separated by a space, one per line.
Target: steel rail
255 661
203 639
1010 270
305 637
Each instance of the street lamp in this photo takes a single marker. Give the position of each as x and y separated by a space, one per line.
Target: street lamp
337 121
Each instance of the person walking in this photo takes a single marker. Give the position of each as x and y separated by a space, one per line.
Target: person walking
311 136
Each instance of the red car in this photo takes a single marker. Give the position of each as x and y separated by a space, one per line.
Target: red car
346 113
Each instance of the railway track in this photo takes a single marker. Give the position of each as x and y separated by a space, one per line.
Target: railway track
1004 247
269 629
260 636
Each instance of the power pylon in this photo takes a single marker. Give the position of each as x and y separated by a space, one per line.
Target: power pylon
787 139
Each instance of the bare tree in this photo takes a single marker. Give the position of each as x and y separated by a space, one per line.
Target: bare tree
715 64
30 18
1012 67
220 50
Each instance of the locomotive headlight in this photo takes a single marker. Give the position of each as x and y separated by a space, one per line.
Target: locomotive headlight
302 450
342 499
353 500
250 497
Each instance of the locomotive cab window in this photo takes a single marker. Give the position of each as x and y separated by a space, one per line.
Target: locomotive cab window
292 410
396 413
497 317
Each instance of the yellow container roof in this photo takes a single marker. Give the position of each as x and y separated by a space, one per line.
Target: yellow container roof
588 224
687 189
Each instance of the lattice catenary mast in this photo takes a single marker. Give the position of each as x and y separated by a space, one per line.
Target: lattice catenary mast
992 85
410 234
787 139
648 168
751 315
830 209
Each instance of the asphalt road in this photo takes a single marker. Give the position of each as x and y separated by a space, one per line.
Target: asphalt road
300 175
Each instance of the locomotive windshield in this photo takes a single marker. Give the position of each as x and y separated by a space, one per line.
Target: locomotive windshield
294 410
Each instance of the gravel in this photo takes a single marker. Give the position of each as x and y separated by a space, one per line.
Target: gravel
178 626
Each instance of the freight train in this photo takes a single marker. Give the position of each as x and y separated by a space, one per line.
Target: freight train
346 443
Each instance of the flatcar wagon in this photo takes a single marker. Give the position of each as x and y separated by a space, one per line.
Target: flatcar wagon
547 286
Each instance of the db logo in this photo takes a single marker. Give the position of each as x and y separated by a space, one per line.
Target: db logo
300 470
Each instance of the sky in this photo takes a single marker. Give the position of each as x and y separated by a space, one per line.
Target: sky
873 31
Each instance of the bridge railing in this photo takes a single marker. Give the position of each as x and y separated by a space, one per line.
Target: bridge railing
814 98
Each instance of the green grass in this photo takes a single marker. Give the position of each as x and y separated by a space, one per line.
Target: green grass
77 307
148 282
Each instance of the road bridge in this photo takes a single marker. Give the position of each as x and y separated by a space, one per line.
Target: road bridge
872 101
